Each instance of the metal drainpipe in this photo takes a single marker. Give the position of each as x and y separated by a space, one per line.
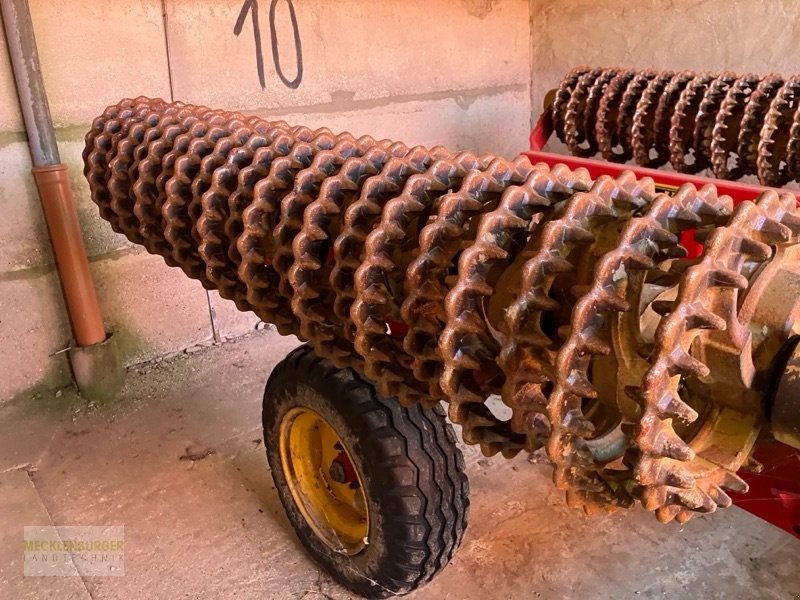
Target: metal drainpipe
95 363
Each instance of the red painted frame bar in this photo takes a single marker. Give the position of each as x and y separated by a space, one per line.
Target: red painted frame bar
774 493
669 180
543 130
736 190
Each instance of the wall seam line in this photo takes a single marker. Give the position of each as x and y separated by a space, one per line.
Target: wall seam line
212 317
166 47
530 65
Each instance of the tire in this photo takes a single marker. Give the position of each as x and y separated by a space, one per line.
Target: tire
410 470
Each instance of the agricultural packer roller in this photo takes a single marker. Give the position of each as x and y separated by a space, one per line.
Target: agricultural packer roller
642 326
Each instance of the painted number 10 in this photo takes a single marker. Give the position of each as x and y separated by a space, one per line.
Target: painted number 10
251 7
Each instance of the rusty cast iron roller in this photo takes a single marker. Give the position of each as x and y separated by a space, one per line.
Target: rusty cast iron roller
733 125
364 212
706 117
439 245
466 343
755 113
645 125
773 163
578 98
667 102
562 98
727 127
606 123
581 228
579 443
677 477
388 248
450 276
682 124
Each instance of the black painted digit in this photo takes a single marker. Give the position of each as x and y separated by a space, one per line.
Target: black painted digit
294 83
252 6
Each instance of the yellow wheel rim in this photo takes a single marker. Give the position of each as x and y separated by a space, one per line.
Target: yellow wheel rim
323 480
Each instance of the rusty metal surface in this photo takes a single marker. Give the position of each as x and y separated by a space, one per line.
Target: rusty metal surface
450 276
733 125
785 408
576 468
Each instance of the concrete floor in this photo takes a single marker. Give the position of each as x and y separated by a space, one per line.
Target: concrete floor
213 528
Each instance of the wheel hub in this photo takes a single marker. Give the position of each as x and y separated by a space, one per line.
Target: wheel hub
323 481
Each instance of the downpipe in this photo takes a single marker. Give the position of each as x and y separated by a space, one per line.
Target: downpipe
94 359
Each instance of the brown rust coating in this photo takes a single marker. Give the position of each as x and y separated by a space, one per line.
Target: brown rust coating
450 276
785 405
733 125
675 476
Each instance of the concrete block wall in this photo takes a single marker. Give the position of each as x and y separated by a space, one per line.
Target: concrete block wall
421 71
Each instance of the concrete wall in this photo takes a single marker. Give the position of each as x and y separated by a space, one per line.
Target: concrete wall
466 73
423 71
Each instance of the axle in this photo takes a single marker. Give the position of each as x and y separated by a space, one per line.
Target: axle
446 276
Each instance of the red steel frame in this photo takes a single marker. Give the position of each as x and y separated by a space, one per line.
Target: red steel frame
774 491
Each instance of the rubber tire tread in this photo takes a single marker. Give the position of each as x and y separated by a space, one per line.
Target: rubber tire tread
422 521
